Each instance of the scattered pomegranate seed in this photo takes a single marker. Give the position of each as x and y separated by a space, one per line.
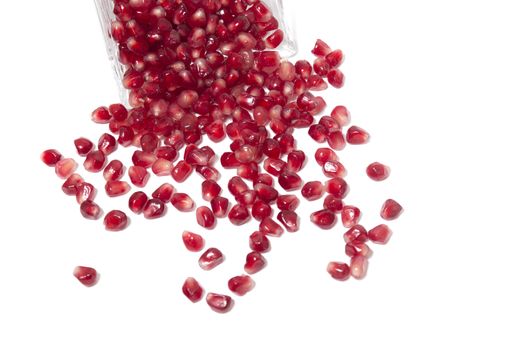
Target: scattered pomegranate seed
377 171
83 146
90 210
117 188
114 170
50 157
380 234
337 187
64 168
313 190
137 202
288 202
219 303
333 203
338 270
271 228
95 161
164 193
107 144
205 217
289 219
356 233
255 262
336 78
296 160
192 290
341 115
85 192
239 215
181 171
391 210
334 58
259 242
241 285
101 115
334 169
358 266
192 241
115 220
70 186
336 140
219 206
162 167
321 48
210 190
138 175
290 181
144 159
210 259
118 112
182 202
325 219
350 216
324 155
86 275
357 136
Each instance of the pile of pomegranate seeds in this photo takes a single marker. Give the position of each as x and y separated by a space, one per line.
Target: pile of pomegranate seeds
198 69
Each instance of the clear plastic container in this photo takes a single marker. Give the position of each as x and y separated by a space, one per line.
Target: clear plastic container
284 16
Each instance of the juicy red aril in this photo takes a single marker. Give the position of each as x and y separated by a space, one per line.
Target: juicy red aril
313 190
358 266
255 262
137 201
219 303
210 259
149 142
350 216
192 241
107 144
154 209
377 171
338 270
271 228
85 192
118 112
114 170
237 186
380 234
337 187
247 198
219 206
101 115
325 219
115 220
321 48
86 275
356 136
289 219
181 171
205 217
50 157
90 210
261 210
95 161
336 140
274 166
144 159
324 155
210 190
162 167
290 181
241 285
321 66
138 175
83 146
264 179
266 193
239 215
318 133
117 188
192 290
341 115
288 202
356 233
336 78
182 202
296 160
334 168
70 186
334 58
64 168
333 203
259 242
391 210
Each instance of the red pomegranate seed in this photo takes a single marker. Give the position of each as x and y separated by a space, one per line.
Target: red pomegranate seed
192 241
259 242
168 153
289 219
219 303
358 266
333 203
274 167
138 175
208 172
356 234
90 210
350 216
263 179
350 250
241 285
313 190
303 68
210 259
239 215
288 202
162 167
380 234
70 186
64 168
205 217
118 112
86 275
237 186
255 262
361 249
181 171
210 190
266 193
95 161
337 187
149 142
137 202
261 210
192 290
377 171
321 48
333 169
330 124
247 198
334 58
325 219
338 270
107 144
125 136
357 136
85 192
321 66
391 210
114 170
101 115
228 161
290 181
50 157
164 193
318 133
336 140
296 160
336 78
182 202
219 206
341 115
323 155
117 188
154 209
270 228
144 159
83 146
115 220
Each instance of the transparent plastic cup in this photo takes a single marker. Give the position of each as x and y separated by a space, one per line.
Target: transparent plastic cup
284 16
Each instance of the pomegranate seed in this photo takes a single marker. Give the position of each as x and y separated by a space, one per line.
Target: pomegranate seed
274 167
377 171
113 171
90 210
210 190
296 160
154 209
358 266
289 219
138 175
321 48
247 198
264 179
341 115
337 187
192 290
210 259
86 275
83 146
357 136
355 234
149 142
290 181
219 206
182 202
288 202
321 66
323 155
255 262
162 167
192 241
336 140
164 193
144 159
350 216
330 124
313 190
205 217
259 242
333 203
239 215
70 186
361 249
271 228
50 157
208 172
241 285
85 192
115 220
350 250
338 270
333 169
334 58
118 112
117 188
181 171
168 153
318 133
325 219
107 144
336 78
391 210
95 161
261 210
228 161
137 202
266 193
219 303
64 168
380 234
101 115
303 68
237 186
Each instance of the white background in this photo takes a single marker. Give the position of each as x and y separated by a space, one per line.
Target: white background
441 87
